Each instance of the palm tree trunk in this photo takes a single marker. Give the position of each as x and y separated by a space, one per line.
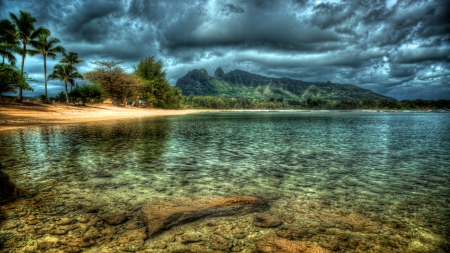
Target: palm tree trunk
23 63
45 76
67 94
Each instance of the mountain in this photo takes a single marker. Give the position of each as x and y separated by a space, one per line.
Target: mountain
242 84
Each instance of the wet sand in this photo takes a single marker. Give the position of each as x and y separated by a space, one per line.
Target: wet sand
29 114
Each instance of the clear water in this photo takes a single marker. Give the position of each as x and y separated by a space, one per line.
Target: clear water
351 181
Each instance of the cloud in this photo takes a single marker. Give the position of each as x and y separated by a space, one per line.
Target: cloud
387 46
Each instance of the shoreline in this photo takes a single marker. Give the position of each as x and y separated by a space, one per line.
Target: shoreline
23 115
33 114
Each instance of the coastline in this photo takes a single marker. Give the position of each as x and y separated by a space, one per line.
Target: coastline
31 114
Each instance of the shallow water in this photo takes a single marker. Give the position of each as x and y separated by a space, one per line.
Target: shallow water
349 181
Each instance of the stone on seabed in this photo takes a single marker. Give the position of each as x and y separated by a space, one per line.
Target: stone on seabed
273 244
160 215
6 188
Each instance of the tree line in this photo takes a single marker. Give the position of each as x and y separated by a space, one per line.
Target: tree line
213 102
146 85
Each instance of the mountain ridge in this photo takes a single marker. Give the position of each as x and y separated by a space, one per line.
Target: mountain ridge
242 84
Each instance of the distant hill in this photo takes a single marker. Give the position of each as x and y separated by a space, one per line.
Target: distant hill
242 84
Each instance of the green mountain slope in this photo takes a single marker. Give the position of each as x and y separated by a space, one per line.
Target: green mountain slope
242 84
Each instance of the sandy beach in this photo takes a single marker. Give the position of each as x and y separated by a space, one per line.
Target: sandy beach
29 114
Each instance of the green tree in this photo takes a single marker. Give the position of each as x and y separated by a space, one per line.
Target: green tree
72 60
158 92
11 79
114 81
65 74
368 103
61 96
26 32
85 92
47 46
8 43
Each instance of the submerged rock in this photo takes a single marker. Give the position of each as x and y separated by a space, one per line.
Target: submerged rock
114 219
133 235
273 244
160 215
7 189
76 242
266 221
291 232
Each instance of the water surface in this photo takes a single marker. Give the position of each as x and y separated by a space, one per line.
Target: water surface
348 181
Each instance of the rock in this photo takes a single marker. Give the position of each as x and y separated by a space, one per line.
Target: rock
273 244
47 244
133 225
133 235
239 233
160 215
191 238
114 219
7 193
266 221
77 242
109 231
10 224
59 232
220 243
72 250
92 233
91 209
85 218
65 221
132 240
291 232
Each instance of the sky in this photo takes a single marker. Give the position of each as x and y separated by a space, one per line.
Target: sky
398 48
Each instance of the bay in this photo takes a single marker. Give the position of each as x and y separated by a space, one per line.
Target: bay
349 181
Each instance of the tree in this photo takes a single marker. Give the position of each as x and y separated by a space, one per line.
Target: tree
114 81
71 59
26 32
85 92
158 92
11 79
8 43
61 96
47 46
64 73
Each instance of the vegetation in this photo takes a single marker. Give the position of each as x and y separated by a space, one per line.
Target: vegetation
47 46
117 84
157 91
242 84
72 60
25 32
8 43
310 104
64 73
85 92
12 79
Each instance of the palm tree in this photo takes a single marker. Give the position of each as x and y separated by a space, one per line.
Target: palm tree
25 32
8 43
64 73
47 46
71 59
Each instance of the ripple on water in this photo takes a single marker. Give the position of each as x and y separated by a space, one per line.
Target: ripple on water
342 182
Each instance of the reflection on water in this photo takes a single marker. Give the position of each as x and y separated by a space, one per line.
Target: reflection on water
348 182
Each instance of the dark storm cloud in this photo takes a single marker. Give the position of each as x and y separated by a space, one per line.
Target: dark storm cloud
399 48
